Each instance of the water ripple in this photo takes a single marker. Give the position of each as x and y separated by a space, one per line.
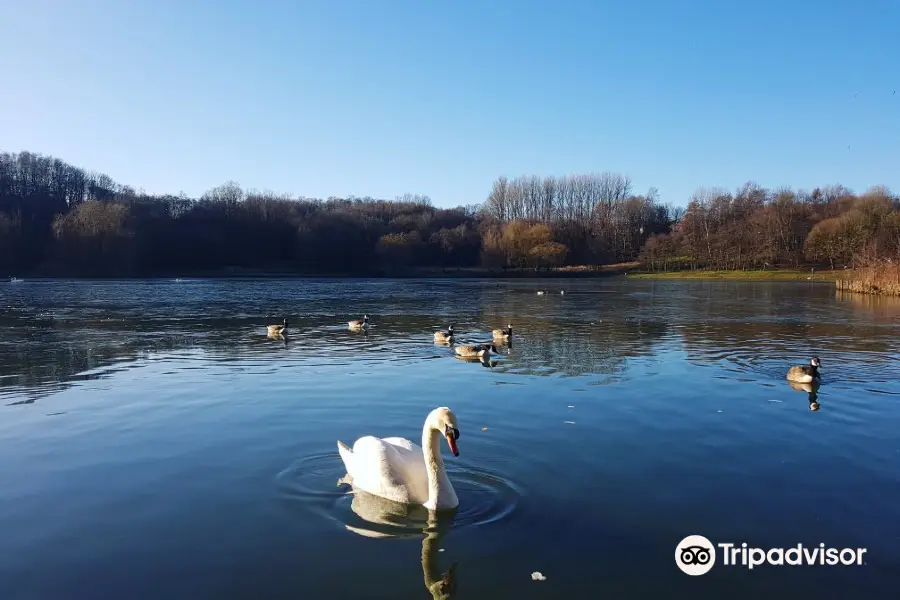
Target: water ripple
57 334
311 483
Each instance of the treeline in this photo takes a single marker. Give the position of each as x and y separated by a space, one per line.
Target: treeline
580 219
755 228
57 219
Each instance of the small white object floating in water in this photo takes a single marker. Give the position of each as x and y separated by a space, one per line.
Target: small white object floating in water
538 576
540 292
569 422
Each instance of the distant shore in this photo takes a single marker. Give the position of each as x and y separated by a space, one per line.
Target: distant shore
632 270
758 275
878 281
285 272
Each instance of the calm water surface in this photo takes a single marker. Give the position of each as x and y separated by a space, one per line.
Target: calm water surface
155 444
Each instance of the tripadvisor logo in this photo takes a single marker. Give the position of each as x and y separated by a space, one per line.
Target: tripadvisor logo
696 555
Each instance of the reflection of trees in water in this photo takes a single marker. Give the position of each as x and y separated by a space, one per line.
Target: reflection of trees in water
85 334
36 361
721 339
39 364
769 348
548 347
880 308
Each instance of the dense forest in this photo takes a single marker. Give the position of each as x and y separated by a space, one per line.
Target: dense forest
57 219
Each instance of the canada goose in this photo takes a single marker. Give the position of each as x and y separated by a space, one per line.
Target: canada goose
804 373
357 324
277 329
502 334
444 336
475 350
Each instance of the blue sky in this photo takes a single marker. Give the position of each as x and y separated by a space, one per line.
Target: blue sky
386 97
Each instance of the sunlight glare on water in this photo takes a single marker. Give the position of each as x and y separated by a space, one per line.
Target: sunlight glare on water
154 442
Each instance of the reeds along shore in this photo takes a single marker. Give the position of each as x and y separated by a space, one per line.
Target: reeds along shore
882 280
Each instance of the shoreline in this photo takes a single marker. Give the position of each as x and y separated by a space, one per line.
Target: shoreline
768 275
874 281
627 270
574 272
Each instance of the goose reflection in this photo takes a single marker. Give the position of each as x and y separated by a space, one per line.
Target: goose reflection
810 388
504 343
388 519
277 337
483 360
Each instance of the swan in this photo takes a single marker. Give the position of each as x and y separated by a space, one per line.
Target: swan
359 324
396 469
277 329
805 373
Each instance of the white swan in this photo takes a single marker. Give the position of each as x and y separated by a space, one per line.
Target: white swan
396 469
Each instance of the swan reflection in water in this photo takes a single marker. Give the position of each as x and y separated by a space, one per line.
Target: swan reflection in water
388 519
810 388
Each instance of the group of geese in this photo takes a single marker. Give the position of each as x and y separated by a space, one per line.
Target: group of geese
480 350
280 329
797 374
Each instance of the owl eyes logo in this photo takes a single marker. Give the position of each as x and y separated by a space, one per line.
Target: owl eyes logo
695 555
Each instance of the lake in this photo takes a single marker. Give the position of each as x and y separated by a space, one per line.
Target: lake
155 443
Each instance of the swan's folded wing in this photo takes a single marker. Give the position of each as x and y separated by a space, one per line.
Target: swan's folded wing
402 443
392 468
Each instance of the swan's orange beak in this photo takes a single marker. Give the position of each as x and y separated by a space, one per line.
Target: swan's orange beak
451 441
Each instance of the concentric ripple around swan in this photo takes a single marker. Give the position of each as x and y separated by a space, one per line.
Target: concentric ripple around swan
311 483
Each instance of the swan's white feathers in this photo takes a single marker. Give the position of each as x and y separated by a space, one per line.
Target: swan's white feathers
395 469
403 443
392 468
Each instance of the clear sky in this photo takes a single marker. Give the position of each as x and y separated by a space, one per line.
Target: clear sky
383 97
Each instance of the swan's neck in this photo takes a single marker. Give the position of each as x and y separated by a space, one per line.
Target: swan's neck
440 491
